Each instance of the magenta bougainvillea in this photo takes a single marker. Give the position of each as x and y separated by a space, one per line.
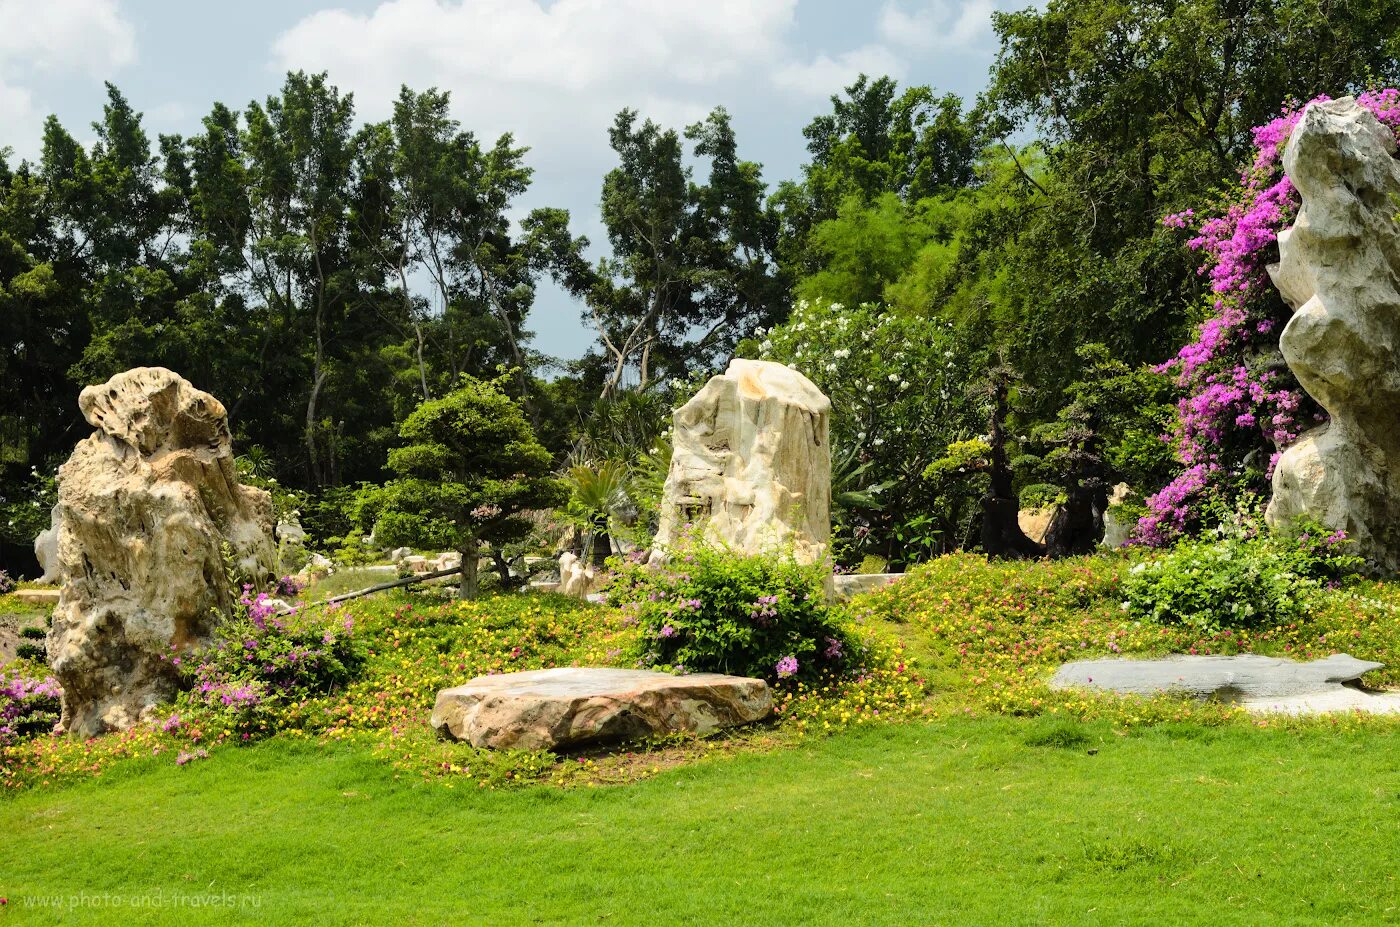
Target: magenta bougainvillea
1240 406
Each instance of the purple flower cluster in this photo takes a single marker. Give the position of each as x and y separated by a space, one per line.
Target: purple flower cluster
262 609
786 667
764 610
186 757
287 587
1230 409
26 706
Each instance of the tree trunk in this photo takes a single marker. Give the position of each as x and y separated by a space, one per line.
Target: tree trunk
1078 526
1001 529
313 459
601 544
471 556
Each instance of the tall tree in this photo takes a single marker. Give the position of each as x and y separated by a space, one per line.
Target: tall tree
691 269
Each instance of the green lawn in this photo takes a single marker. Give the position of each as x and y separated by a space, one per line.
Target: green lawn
965 822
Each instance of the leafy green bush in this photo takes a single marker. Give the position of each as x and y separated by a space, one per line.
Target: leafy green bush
31 651
1041 495
263 662
711 610
1244 577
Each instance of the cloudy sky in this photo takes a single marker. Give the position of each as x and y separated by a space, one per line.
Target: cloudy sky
553 73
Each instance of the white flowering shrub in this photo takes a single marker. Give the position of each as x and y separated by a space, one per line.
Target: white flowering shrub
897 386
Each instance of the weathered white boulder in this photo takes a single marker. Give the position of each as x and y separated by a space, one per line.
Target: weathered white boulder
751 464
1117 528
577 577
1340 271
399 554
569 707
446 561
46 550
146 506
290 532
291 544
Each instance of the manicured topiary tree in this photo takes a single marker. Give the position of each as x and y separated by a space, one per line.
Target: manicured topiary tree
470 465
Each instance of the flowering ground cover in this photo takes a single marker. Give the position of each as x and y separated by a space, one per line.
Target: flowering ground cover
989 635
367 674
917 790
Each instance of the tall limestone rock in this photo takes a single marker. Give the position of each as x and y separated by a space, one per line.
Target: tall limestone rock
146 505
1340 271
751 464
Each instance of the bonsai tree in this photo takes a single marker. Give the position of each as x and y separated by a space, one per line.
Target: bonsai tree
470 465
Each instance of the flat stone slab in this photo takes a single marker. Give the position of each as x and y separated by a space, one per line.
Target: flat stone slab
1339 699
1243 678
37 596
574 706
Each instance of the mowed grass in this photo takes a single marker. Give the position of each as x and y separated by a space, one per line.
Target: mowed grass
960 822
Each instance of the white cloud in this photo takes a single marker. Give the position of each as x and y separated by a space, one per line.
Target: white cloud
943 24
16 105
54 36
823 75
572 46
48 41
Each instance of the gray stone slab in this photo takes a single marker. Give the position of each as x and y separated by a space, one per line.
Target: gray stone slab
1237 678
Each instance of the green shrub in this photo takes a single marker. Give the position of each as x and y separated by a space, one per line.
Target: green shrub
264 661
1244 577
30 651
33 633
711 610
1041 495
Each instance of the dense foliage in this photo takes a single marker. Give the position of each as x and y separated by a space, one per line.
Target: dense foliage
1239 576
709 610
267 666
28 706
469 467
352 272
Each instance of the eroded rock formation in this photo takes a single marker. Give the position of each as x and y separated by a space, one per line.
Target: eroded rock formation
751 464
1340 271
146 506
